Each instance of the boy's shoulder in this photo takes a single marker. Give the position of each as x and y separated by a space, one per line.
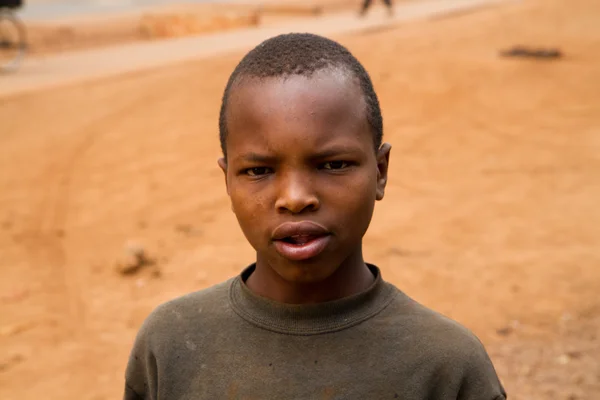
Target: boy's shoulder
439 341
431 325
199 307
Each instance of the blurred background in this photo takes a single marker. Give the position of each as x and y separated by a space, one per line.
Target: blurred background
111 201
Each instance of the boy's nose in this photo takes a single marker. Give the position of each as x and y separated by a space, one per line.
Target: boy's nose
296 195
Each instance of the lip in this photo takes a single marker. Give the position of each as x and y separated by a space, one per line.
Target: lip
304 251
299 228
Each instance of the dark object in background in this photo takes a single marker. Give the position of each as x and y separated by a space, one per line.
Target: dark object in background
367 3
522 51
11 3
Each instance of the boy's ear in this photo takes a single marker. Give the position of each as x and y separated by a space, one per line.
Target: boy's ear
223 165
383 162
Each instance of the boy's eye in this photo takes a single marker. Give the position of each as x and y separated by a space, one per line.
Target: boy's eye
335 165
258 171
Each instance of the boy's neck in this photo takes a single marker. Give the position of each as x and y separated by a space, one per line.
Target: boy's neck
352 277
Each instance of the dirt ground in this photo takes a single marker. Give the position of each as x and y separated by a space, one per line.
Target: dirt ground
168 21
491 215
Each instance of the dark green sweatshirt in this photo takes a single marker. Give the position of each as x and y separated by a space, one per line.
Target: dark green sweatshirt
225 342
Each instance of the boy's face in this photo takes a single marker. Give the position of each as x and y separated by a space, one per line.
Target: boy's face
302 173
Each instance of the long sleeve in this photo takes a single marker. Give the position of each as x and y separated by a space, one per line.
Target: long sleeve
141 373
480 381
130 394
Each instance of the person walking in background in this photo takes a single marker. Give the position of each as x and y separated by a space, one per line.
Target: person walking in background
367 3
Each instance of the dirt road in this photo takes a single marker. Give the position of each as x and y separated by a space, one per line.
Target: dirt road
491 215
69 68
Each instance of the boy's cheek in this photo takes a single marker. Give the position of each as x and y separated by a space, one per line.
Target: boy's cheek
251 216
251 232
250 204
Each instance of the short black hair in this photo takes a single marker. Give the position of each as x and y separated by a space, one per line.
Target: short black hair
302 54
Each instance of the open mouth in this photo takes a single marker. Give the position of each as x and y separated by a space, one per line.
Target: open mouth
300 240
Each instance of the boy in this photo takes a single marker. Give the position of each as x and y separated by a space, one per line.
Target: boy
301 135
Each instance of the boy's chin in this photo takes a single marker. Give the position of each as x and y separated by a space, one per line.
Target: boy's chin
306 272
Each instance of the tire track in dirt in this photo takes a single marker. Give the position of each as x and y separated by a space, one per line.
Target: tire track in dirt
44 237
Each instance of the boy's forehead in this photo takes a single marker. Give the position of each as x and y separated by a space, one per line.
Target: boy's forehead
323 94
297 112
329 85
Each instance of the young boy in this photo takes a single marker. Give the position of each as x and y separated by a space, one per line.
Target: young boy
304 163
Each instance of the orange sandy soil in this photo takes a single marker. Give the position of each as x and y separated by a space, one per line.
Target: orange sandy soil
491 216
168 21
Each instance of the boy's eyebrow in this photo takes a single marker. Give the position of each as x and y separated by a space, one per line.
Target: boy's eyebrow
328 152
335 151
256 157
